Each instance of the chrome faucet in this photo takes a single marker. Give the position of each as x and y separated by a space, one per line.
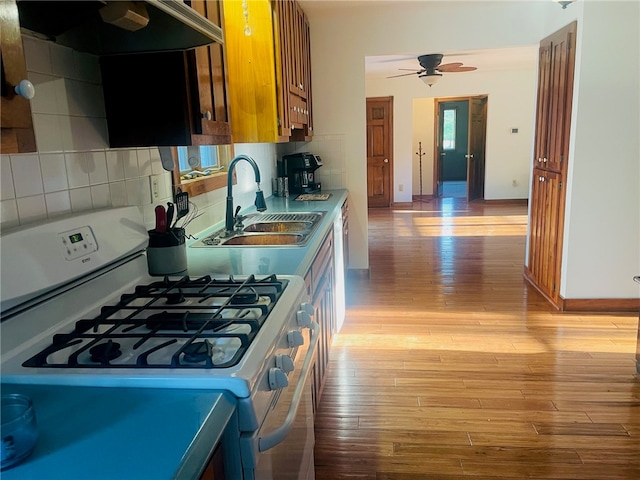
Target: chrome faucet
261 206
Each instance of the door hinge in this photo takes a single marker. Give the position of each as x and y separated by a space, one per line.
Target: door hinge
553 287
560 186
561 158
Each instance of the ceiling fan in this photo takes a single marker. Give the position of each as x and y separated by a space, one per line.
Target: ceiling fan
432 69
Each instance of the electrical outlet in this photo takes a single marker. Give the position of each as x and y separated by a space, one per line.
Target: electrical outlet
155 187
400 187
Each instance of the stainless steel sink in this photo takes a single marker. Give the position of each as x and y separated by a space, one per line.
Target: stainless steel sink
268 230
265 239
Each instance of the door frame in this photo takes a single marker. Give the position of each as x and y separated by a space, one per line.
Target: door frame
436 138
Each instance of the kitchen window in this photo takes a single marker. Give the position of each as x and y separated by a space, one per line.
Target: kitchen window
198 158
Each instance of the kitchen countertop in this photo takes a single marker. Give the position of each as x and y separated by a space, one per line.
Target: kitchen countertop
283 260
119 433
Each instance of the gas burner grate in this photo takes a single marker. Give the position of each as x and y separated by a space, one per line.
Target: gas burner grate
167 324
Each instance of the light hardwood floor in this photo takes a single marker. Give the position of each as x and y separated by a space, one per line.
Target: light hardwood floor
449 366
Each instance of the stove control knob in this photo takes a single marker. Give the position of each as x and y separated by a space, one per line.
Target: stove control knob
284 363
304 319
295 339
307 307
277 379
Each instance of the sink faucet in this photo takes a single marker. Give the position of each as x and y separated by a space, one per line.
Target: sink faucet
260 204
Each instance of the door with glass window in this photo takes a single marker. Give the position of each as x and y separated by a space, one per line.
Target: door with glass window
460 145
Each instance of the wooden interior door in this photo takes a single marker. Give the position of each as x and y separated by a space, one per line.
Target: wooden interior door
476 149
379 151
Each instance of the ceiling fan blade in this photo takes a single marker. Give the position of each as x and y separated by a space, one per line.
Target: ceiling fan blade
448 66
406 74
462 69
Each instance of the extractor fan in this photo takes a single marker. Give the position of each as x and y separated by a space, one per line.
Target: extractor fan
432 70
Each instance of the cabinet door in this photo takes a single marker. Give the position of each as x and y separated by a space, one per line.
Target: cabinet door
555 92
15 111
209 104
545 241
294 70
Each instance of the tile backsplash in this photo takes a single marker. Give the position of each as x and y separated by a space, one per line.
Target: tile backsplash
75 170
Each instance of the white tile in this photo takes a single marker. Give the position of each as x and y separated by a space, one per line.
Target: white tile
97 167
45 100
118 191
6 179
27 178
87 67
101 196
156 161
115 166
62 100
133 195
62 63
144 162
54 172
66 136
130 163
77 171
58 203
9 214
49 135
88 133
37 55
80 199
95 134
31 209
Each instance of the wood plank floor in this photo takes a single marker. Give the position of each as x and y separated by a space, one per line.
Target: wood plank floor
449 366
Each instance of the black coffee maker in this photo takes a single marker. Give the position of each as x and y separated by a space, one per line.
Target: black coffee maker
300 169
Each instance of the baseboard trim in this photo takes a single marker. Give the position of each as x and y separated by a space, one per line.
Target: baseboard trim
613 305
358 273
507 201
599 304
422 198
402 204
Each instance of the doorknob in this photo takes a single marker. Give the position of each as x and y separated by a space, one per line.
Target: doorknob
386 160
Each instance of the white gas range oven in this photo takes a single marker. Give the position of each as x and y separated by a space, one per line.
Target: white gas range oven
79 309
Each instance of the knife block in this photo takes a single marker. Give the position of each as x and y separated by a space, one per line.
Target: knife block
167 252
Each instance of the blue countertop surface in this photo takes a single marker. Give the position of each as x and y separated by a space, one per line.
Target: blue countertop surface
144 433
284 260
121 433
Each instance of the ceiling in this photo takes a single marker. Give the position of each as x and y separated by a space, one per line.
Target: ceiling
387 65
383 66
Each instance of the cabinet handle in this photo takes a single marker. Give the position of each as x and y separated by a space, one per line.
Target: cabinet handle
386 160
541 179
207 115
539 160
544 160
25 89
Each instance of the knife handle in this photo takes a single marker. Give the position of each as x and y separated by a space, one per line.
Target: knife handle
161 219
170 209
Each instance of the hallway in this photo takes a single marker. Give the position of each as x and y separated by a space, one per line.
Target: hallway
449 366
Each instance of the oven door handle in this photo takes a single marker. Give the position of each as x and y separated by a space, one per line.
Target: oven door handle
280 433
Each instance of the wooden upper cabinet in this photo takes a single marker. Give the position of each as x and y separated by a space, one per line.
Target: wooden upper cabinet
555 92
269 71
17 124
182 97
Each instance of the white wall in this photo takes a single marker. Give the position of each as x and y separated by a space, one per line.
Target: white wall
601 250
511 103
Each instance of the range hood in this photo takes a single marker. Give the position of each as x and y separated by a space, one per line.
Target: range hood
170 25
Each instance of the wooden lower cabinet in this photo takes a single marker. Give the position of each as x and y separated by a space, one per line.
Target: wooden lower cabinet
546 230
320 284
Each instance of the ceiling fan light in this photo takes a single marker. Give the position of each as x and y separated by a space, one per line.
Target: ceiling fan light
430 79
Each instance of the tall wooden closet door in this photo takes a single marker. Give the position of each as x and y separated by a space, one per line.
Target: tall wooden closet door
551 149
